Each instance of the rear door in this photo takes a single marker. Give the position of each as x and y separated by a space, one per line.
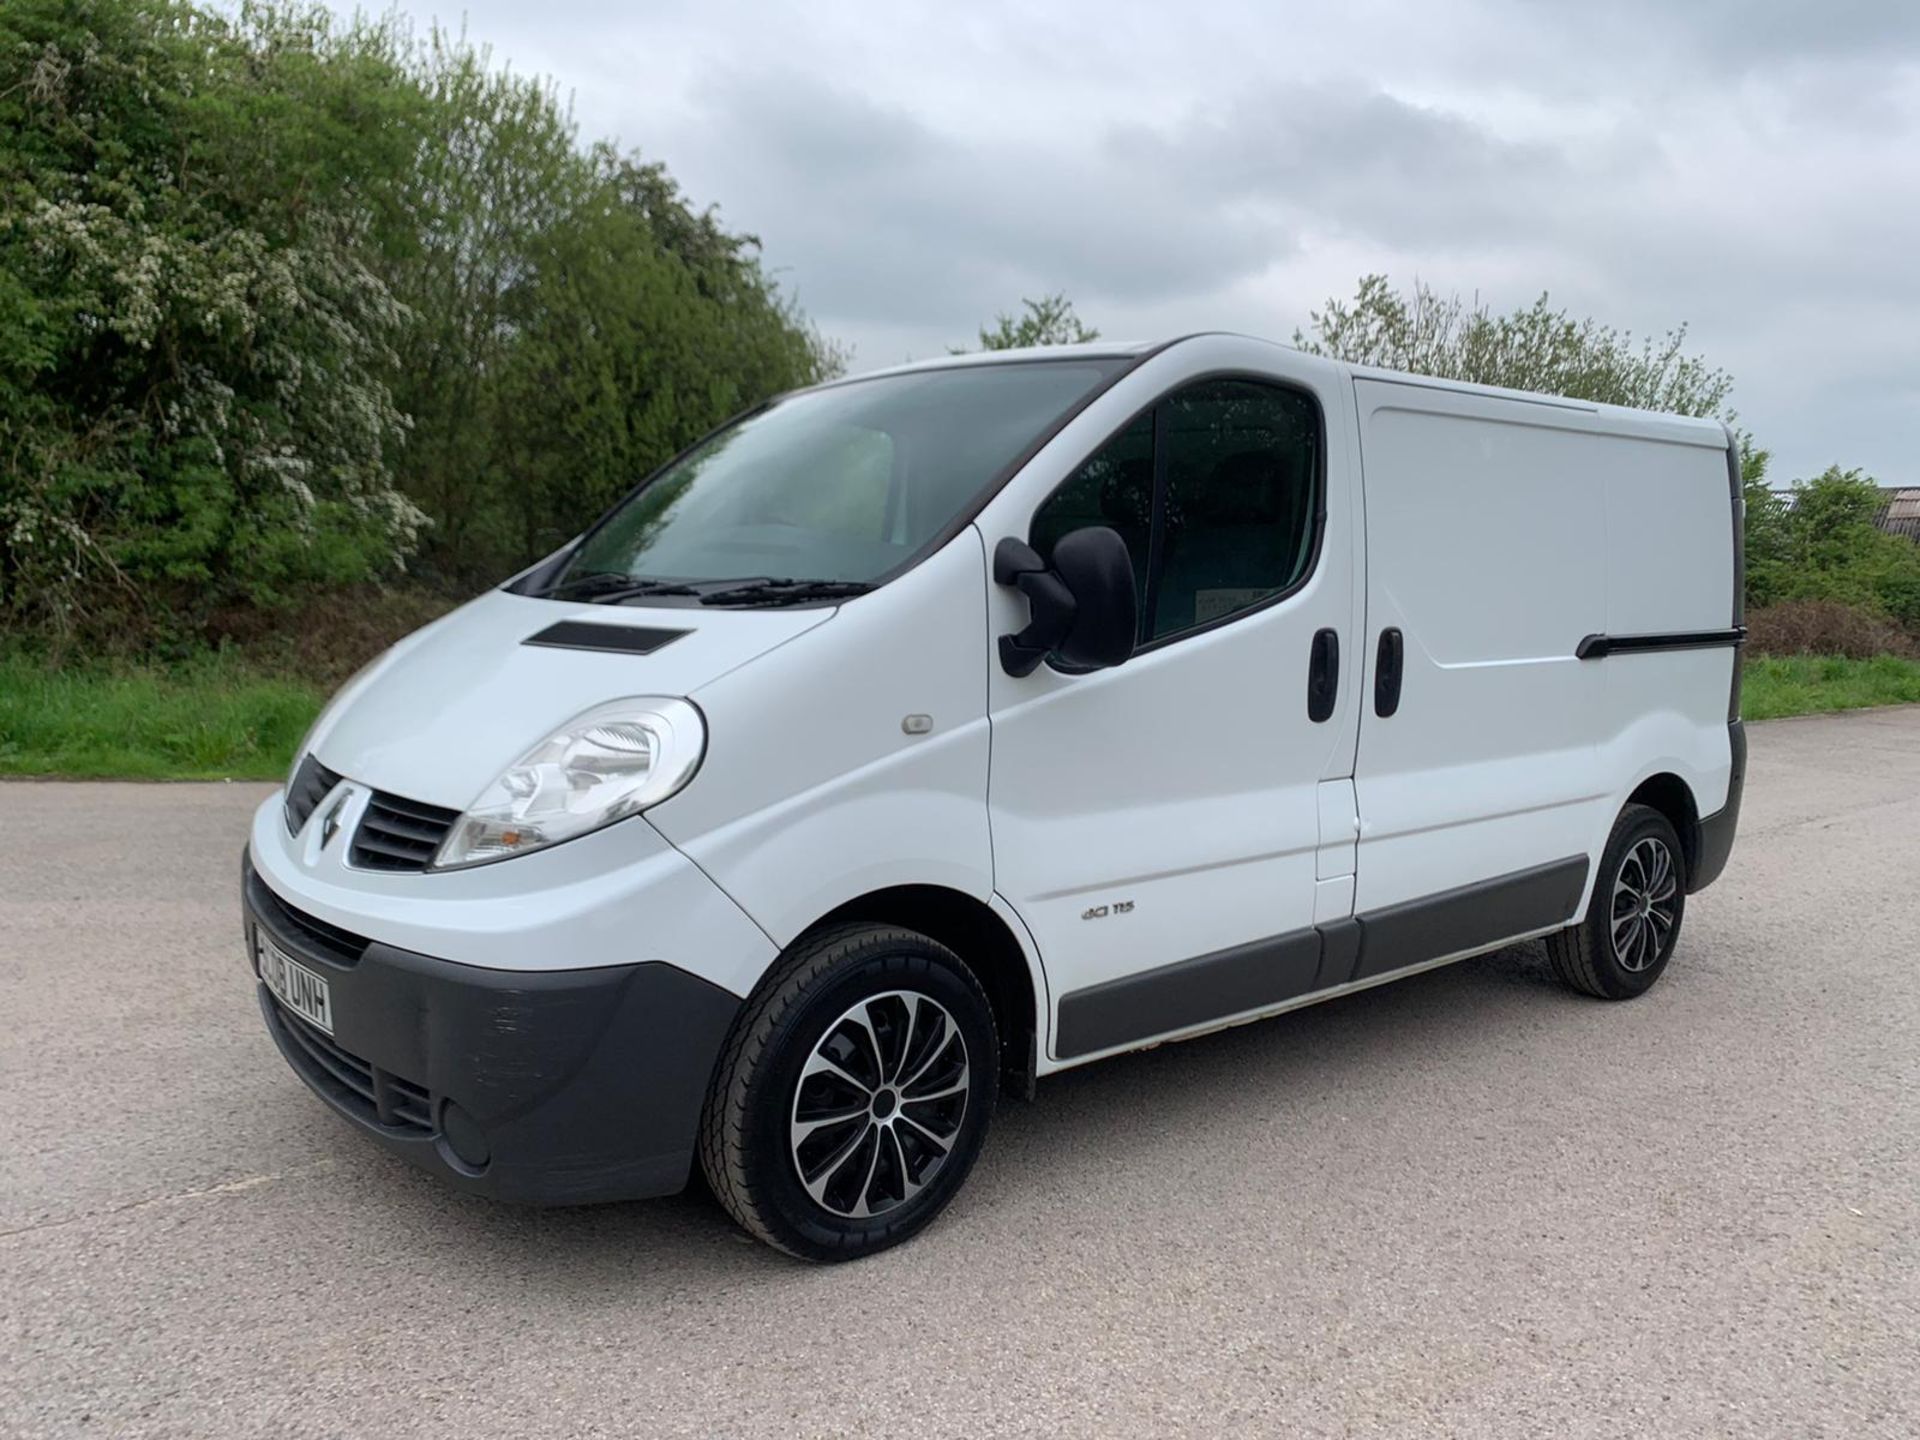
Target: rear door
1158 825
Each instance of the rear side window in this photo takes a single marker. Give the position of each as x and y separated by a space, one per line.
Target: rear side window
1216 492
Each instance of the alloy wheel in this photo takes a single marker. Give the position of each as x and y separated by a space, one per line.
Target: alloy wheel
1645 892
879 1104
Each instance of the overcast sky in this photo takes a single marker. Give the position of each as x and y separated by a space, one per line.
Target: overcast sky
1751 167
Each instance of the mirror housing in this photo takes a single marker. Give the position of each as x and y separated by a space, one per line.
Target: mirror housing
1083 604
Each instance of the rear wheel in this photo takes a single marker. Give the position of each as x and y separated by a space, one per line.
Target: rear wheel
853 1095
1633 919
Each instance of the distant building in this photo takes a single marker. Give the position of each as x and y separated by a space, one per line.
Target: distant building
1900 514
1899 509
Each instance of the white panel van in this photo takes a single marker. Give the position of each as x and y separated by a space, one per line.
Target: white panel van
921 734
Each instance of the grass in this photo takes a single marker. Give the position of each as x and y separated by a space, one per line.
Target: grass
1777 685
220 718
215 718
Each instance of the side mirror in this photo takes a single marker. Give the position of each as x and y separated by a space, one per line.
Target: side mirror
1083 604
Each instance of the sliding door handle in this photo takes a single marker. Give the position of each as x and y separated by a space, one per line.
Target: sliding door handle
1323 676
1388 663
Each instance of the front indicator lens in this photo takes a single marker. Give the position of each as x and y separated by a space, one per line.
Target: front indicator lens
611 762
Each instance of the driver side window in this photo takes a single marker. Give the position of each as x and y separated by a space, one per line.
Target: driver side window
1115 489
1215 491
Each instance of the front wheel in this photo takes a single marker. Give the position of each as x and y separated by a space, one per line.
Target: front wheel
853 1095
1633 919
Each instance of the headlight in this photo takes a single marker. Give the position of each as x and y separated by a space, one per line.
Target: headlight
611 762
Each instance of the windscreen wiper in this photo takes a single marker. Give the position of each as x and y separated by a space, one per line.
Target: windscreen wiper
784 592
604 587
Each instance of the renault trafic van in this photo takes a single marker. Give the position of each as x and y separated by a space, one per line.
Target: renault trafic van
921 734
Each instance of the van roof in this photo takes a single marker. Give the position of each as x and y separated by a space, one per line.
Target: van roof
1534 397
1089 350
1129 349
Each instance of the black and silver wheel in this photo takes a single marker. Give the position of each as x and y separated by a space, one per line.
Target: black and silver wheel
1645 904
880 1102
853 1095
1633 919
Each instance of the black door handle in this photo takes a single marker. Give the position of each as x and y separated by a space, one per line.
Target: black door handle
1386 673
1323 675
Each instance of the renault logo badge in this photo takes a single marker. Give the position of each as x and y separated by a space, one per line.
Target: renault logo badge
330 825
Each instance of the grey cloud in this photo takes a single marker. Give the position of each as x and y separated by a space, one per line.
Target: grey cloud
881 211
1748 165
887 221
1356 159
1743 33
1289 133
1606 45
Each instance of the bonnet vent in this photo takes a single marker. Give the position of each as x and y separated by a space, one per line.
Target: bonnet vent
619 639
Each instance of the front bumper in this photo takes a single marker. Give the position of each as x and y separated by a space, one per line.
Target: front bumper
544 1087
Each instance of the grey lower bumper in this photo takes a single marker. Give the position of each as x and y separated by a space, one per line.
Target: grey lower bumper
548 1087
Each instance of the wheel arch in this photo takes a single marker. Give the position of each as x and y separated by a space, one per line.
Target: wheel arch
1667 793
986 942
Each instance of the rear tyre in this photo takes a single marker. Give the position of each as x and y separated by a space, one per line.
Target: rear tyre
853 1096
1634 917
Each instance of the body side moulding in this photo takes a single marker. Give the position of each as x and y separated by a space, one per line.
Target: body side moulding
1270 972
1599 647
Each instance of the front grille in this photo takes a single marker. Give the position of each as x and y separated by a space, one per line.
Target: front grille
311 784
296 925
368 1091
397 834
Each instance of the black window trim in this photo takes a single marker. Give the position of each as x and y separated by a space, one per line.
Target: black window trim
1156 520
1156 502
534 580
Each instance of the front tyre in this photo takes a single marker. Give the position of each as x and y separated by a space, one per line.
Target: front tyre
1633 919
853 1095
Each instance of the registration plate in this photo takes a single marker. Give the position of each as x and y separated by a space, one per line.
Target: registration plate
294 985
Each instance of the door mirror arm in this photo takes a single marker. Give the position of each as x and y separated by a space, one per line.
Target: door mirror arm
1051 606
1082 605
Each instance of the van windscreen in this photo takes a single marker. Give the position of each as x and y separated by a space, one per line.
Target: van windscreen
850 483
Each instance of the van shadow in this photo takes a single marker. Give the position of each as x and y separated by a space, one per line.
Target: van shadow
1082 1124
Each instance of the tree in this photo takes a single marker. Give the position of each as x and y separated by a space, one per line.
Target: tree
1535 348
288 303
1823 545
624 351
1769 530
1050 320
577 322
195 355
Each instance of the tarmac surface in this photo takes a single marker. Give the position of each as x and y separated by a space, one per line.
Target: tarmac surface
1469 1203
